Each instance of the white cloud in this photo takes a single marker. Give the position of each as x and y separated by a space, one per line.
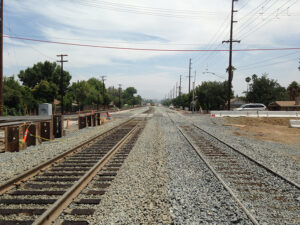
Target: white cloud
68 21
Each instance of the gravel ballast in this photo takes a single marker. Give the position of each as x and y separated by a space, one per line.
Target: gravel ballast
139 194
196 196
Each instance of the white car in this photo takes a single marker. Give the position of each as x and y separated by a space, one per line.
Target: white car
171 106
252 107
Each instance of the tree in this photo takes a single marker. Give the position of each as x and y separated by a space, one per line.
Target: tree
79 91
128 96
44 71
293 90
45 91
248 79
17 99
96 91
113 94
212 95
265 90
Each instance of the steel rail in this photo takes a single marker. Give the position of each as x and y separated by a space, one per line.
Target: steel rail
57 208
32 172
250 216
250 158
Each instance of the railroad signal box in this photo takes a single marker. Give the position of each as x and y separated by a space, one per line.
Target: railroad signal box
45 109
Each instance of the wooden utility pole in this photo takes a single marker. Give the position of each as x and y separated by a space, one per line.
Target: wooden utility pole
1 61
120 86
230 71
190 68
103 79
103 87
194 83
62 91
180 86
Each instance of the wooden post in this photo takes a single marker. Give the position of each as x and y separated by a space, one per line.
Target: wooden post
12 139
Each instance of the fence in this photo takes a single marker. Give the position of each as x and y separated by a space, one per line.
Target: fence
255 113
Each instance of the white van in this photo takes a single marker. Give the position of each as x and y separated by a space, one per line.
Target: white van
252 107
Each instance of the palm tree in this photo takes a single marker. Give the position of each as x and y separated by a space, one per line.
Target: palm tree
293 90
248 79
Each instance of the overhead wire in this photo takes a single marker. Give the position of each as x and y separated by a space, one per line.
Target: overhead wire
209 55
260 25
146 49
266 60
254 19
146 10
275 63
221 30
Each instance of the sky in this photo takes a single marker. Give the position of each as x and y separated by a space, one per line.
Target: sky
155 24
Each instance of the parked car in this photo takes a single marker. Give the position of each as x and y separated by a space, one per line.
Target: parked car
171 106
252 107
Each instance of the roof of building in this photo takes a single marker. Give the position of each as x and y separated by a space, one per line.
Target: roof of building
284 104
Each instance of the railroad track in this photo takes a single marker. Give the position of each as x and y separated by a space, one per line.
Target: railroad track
66 189
265 196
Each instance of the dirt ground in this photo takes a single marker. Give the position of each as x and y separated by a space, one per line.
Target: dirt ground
268 129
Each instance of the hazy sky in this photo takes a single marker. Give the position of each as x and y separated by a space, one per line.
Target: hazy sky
159 24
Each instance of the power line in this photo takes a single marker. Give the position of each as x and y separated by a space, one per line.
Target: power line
270 64
261 24
148 11
150 49
266 60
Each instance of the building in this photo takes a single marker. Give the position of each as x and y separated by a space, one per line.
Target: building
285 105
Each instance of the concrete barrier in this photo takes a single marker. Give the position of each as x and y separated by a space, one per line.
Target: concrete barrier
255 113
295 123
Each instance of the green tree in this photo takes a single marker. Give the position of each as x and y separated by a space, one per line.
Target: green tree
248 79
44 71
113 94
17 98
95 95
212 95
128 96
45 91
265 90
293 90
79 91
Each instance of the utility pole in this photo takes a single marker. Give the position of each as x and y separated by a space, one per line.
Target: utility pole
230 72
177 89
190 67
120 86
102 78
62 80
194 83
180 86
1 61
174 89
299 65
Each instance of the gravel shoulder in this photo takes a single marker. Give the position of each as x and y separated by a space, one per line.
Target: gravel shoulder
12 164
195 194
278 157
139 193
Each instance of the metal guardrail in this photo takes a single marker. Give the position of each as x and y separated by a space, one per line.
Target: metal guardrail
255 113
